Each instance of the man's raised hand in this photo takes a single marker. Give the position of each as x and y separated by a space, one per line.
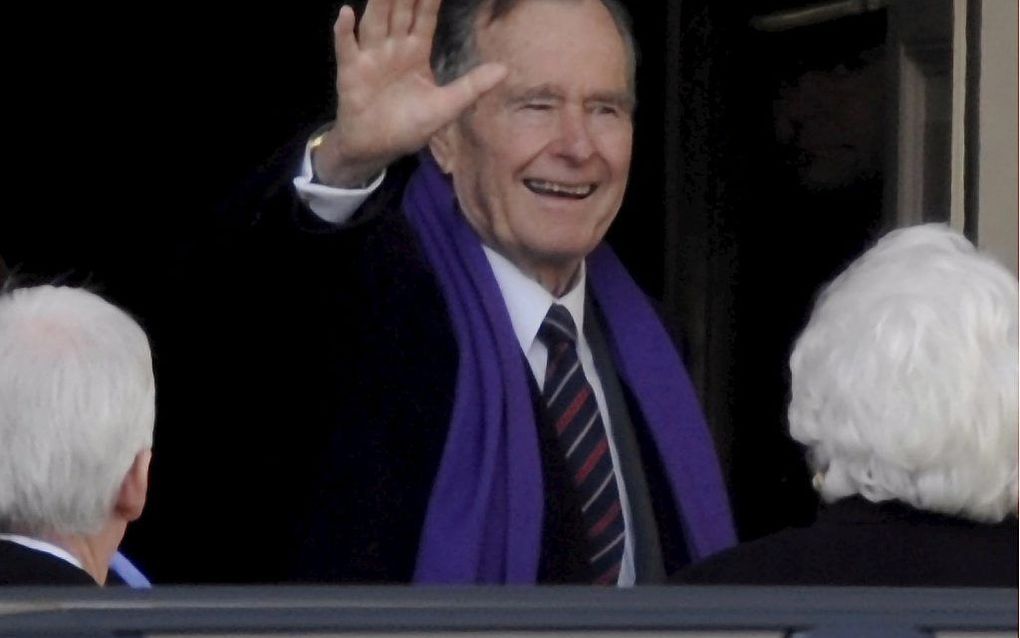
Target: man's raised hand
388 102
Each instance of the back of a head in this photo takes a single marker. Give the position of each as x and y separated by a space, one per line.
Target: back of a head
904 383
77 403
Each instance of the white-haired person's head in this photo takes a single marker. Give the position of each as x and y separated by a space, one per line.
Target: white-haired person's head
77 403
904 382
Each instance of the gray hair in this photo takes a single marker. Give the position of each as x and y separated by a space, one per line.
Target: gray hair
77 404
904 383
454 50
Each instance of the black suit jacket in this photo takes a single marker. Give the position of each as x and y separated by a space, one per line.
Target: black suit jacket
856 542
320 371
21 565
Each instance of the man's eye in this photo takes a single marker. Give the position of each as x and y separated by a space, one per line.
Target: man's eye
538 106
606 109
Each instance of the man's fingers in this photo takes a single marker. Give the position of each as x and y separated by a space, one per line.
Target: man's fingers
343 32
448 102
466 89
375 23
401 17
425 19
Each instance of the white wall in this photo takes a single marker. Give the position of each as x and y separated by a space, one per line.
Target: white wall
999 168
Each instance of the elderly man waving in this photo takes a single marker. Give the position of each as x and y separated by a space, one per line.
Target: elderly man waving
496 399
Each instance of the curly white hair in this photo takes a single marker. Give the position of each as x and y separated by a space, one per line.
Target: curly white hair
904 383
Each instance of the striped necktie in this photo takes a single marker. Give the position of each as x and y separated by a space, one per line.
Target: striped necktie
571 407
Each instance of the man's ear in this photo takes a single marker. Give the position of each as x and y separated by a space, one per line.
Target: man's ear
131 498
443 145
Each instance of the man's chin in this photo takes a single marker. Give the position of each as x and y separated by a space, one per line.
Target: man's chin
563 262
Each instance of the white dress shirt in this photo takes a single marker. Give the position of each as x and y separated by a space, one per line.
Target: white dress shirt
527 303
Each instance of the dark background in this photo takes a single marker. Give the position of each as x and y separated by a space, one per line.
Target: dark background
128 128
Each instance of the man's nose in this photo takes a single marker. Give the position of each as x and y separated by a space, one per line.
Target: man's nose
576 142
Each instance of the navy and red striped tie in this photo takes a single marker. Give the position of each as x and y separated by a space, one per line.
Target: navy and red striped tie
571 407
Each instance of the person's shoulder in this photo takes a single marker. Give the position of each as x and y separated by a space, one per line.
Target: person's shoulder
770 560
21 565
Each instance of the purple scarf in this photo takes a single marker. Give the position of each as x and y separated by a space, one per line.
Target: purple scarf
484 518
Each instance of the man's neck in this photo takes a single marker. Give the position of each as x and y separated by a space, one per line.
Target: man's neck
93 551
558 279
557 283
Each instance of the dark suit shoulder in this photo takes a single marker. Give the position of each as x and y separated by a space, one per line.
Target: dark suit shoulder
859 543
21 565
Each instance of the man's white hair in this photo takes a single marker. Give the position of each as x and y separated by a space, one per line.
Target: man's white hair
77 404
904 383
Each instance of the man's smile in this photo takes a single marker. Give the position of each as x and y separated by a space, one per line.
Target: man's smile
560 189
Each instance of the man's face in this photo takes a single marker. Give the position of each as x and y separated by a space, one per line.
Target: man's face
540 163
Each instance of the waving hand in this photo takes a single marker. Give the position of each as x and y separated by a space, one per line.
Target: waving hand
388 101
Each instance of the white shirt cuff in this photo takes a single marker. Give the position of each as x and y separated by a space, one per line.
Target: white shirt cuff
332 205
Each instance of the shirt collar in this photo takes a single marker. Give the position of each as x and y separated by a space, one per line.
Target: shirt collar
528 302
42 546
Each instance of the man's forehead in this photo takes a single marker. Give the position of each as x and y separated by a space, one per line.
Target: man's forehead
526 28
493 10
497 13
